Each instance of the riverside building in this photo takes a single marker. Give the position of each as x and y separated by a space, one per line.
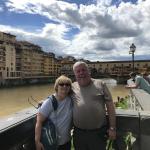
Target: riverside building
24 62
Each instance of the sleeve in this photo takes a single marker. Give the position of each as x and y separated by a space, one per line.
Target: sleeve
137 81
107 94
46 107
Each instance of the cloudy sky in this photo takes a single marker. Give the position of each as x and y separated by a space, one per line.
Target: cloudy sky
97 30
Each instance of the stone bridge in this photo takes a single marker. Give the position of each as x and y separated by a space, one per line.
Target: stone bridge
17 130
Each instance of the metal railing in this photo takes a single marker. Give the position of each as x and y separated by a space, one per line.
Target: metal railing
139 100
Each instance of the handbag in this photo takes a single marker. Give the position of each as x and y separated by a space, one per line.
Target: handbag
48 132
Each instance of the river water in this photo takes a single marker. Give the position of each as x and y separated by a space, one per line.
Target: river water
16 98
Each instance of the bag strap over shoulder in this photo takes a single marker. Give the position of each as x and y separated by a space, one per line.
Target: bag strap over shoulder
54 103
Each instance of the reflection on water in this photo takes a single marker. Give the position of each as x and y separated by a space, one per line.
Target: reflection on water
111 82
15 99
116 90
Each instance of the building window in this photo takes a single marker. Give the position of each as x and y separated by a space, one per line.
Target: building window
11 74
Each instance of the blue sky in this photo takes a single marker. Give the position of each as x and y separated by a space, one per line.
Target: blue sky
97 30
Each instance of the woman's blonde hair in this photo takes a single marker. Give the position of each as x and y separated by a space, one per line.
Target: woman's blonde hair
63 79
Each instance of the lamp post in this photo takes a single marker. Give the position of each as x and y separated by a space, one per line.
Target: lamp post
132 50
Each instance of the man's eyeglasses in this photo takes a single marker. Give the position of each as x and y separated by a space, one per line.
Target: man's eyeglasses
62 84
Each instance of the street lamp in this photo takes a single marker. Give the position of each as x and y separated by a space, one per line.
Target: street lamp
132 50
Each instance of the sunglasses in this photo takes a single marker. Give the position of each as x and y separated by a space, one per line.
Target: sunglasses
62 84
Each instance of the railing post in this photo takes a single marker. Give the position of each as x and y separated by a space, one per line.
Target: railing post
144 130
127 121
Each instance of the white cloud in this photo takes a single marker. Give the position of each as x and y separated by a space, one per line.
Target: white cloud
50 38
1 8
105 31
104 2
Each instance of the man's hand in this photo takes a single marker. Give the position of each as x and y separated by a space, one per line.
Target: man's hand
112 133
39 146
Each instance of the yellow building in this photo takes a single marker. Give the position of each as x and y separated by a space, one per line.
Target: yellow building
7 57
2 60
49 64
25 60
7 37
31 59
57 67
121 67
109 68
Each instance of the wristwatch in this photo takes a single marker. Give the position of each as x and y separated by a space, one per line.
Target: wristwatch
112 129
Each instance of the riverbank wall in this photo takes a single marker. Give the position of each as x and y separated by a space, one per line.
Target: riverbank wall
10 82
26 81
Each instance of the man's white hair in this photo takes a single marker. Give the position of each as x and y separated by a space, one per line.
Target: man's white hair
78 63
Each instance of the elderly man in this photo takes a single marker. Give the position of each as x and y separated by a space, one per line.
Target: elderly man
91 99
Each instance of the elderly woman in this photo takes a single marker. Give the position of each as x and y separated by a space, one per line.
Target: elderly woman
62 118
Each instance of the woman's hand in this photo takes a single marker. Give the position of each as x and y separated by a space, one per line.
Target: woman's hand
40 119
